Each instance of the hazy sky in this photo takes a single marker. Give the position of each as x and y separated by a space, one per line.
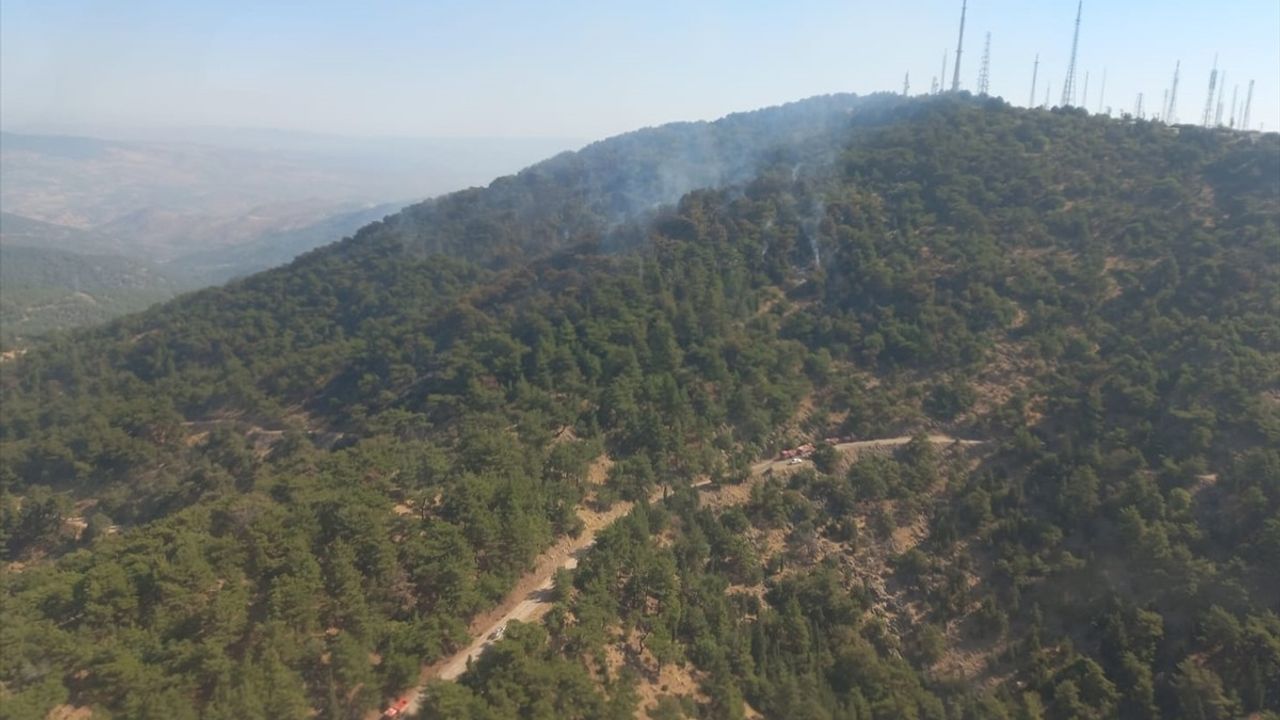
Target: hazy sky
591 68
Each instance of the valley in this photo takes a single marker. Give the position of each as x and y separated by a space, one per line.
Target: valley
129 223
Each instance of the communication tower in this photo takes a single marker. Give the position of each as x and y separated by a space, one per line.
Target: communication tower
984 75
1170 113
1035 70
1213 83
955 79
1069 87
1248 105
1222 88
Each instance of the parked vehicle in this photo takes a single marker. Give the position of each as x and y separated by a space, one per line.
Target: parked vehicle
396 708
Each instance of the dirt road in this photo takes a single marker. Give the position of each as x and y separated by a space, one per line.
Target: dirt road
531 598
528 607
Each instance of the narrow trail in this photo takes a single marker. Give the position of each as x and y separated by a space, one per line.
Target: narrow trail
532 596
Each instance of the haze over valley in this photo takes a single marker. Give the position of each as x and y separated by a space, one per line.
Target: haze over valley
200 208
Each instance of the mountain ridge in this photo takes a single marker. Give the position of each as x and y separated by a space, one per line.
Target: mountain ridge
1094 295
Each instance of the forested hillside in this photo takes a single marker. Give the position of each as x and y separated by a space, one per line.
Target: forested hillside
585 195
284 495
43 289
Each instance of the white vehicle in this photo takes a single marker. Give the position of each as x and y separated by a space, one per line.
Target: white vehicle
496 635
795 461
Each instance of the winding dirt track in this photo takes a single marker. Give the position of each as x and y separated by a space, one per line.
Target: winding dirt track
531 598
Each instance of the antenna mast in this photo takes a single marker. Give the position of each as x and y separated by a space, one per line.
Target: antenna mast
1213 82
1035 70
1084 92
942 79
1248 105
1235 93
906 84
1170 116
1069 88
984 75
1137 108
1222 88
955 79
1102 93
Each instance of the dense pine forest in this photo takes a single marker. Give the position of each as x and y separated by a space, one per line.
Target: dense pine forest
282 497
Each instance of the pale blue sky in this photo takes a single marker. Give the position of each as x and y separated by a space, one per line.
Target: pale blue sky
584 68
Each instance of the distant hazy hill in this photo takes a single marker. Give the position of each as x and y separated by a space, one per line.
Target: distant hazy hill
274 248
162 200
199 207
19 230
58 277
43 289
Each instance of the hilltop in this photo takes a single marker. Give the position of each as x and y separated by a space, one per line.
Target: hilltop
288 493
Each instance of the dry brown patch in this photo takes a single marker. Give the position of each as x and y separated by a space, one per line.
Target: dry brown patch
1008 371
770 543
969 664
74 527
69 712
564 435
1203 482
906 537
1115 262
263 440
599 470
653 681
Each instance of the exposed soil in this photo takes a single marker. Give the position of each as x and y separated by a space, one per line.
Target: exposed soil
69 712
531 598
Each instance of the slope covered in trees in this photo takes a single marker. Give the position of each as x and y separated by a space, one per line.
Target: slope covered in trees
284 494
43 289
55 277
